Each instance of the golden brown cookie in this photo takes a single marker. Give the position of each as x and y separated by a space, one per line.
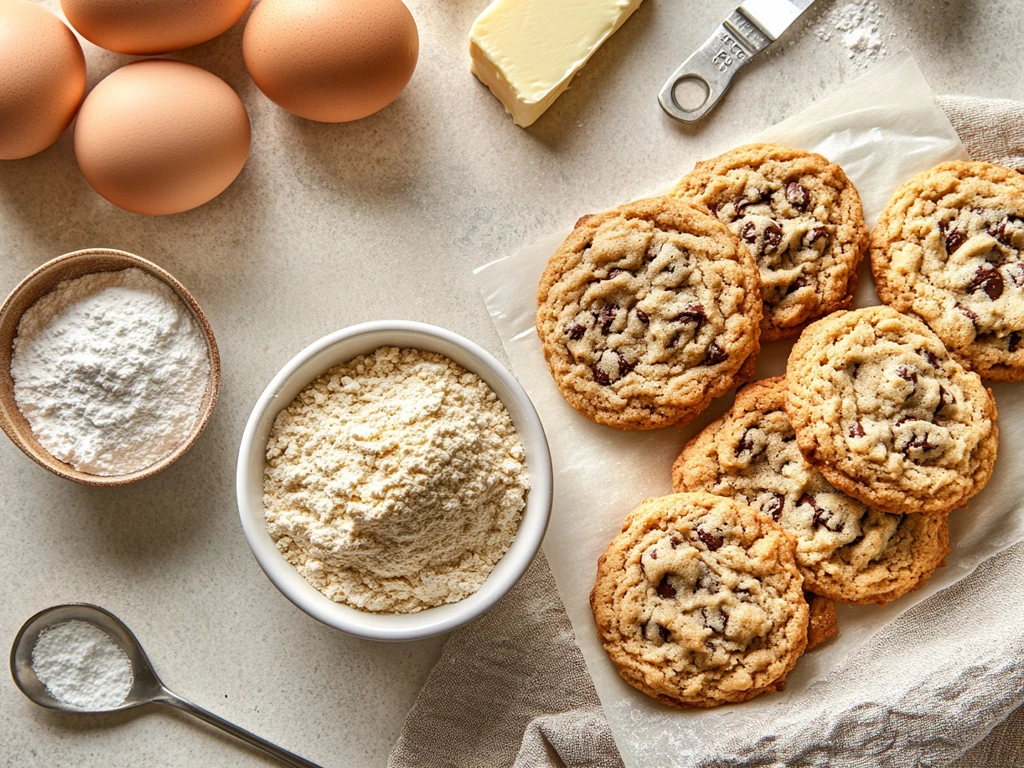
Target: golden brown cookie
823 624
800 216
699 602
845 550
886 415
647 312
949 248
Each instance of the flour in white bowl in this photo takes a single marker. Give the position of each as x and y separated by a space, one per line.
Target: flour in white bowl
395 482
110 371
82 666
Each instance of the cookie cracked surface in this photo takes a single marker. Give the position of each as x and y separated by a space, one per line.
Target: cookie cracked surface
845 550
647 312
886 415
949 248
698 601
800 216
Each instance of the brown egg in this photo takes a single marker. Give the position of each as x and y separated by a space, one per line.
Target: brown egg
161 137
42 78
328 60
152 26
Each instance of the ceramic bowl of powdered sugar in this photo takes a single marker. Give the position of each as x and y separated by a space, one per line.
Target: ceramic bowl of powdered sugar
109 370
394 480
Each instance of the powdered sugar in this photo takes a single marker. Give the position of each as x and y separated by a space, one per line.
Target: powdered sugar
858 26
110 371
82 666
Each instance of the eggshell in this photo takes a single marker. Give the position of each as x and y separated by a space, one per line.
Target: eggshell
42 78
328 60
160 137
152 26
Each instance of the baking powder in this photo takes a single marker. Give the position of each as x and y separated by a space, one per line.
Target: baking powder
110 370
395 482
81 665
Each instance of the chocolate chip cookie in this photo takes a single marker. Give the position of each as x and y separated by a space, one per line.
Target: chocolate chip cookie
949 249
802 218
698 601
823 625
845 550
648 312
886 415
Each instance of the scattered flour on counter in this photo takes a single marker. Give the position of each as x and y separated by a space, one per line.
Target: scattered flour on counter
110 370
857 25
82 666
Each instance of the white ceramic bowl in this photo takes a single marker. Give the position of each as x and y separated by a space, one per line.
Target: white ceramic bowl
337 348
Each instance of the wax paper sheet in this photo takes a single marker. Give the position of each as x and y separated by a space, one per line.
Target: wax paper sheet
881 129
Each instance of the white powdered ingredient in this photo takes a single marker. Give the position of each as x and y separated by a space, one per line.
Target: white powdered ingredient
110 371
857 25
81 665
395 482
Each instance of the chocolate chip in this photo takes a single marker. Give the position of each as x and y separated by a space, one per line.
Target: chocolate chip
606 317
907 374
954 239
821 516
968 312
988 279
856 429
796 285
624 365
642 317
664 633
715 354
665 590
575 331
798 195
816 234
692 314
654 554
749 232
746 442
943 394
930 357
711 541
1013 341
772 237
601 377
998 231
616 272
774 506
675 541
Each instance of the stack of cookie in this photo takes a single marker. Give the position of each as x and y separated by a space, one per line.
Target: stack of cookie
833 483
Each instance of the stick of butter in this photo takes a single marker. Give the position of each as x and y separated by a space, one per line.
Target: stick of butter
528 51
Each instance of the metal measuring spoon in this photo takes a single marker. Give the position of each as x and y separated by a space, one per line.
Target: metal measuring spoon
147 688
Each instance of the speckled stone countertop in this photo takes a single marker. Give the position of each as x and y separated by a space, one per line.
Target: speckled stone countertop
330 225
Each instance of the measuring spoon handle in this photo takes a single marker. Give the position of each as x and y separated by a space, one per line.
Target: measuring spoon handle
709 71
282 754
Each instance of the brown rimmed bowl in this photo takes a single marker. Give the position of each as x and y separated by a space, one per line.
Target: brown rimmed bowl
38 284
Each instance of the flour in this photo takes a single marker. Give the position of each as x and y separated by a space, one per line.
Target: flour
395 482
81 665
110 370
857 25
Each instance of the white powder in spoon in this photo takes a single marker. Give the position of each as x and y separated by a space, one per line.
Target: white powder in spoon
110 371
81 665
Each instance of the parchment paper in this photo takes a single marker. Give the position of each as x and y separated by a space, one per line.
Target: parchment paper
881 129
